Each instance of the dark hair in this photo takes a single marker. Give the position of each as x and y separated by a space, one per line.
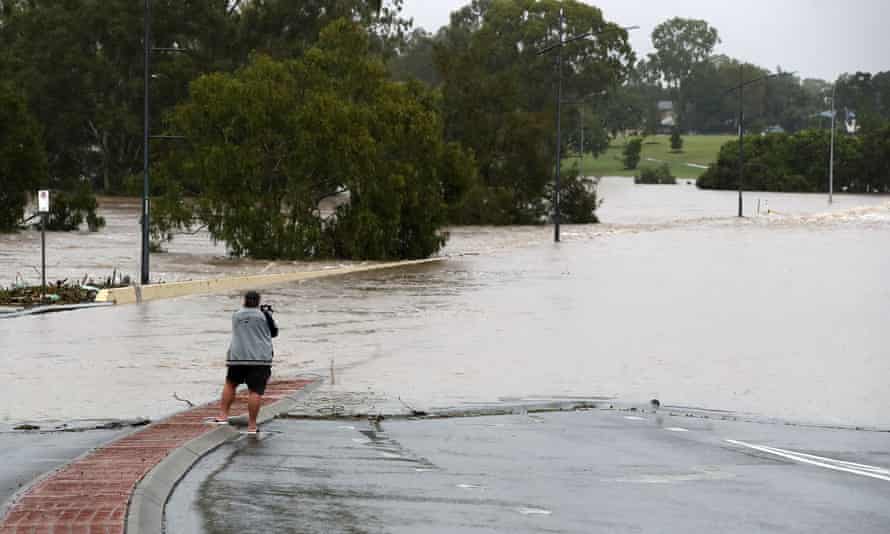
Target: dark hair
251 299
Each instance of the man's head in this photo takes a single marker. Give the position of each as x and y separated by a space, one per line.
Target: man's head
251 299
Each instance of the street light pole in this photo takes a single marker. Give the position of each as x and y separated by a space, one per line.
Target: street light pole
741 135
145 278
559 46
741 89
831 158
556 193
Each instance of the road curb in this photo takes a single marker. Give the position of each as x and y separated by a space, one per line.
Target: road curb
145 514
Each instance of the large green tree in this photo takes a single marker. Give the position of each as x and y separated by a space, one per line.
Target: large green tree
272 141
23 166
681 44
499 94
80 62
285 29
414 59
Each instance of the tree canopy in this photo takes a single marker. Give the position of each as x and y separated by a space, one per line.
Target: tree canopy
681 44
499 94
268 143
23 167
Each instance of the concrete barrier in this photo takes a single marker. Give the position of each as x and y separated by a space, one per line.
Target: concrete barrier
135 294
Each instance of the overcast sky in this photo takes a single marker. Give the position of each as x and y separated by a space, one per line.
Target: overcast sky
793 34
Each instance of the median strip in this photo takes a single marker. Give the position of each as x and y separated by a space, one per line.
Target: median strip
136 294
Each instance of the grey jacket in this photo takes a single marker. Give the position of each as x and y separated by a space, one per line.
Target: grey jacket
252 333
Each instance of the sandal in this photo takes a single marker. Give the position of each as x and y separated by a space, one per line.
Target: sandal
216 421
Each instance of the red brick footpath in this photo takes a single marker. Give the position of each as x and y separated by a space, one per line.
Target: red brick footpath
91 495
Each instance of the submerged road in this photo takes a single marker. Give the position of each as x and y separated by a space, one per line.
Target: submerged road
590 471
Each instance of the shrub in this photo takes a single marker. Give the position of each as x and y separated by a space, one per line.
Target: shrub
676 140
631 153
656 175
579 200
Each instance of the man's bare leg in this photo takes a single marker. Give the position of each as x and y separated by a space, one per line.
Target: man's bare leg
254 401
225 404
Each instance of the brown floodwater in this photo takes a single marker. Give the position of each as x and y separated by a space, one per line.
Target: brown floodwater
672 297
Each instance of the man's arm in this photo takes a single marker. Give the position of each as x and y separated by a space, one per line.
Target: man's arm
273 328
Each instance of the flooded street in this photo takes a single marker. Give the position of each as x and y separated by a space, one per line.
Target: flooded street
672 297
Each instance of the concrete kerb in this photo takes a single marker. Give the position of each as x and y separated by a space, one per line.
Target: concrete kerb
145 513
133 295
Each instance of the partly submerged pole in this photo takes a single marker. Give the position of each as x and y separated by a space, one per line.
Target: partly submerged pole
556 212
831 158
145 275
741 135
43 257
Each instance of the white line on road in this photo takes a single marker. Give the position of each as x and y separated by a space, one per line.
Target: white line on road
828 463
852 465
633 418
676 429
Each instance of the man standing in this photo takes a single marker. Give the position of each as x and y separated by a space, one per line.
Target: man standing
249 359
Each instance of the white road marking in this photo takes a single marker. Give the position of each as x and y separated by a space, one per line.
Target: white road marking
819 461
676 429
852 465
633 418
469 486
534 511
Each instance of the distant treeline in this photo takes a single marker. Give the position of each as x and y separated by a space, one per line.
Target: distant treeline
294 139
279 108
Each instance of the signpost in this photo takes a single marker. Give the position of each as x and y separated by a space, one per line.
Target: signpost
43 210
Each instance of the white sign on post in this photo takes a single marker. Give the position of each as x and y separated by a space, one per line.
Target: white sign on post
43 201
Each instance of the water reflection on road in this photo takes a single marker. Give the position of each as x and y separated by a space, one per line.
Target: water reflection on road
781 316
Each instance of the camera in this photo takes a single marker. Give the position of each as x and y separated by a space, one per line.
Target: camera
266 308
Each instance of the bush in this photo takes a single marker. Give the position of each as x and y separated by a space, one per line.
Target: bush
631 153
579 200
656 175
676 140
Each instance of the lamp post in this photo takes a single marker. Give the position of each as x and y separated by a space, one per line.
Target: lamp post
831 150
146 142
144 264
558 47
741 89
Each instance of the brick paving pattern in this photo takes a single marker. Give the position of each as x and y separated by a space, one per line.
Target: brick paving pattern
90 495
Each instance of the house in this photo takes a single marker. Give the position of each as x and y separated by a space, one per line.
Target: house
667 119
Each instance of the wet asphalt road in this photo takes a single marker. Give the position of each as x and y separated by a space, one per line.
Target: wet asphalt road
28 455
591 471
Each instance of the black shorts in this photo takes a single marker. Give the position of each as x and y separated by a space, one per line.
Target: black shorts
255 376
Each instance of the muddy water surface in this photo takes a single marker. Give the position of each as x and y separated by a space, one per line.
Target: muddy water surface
778 316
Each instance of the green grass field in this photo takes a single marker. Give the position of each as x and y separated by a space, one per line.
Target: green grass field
698 149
